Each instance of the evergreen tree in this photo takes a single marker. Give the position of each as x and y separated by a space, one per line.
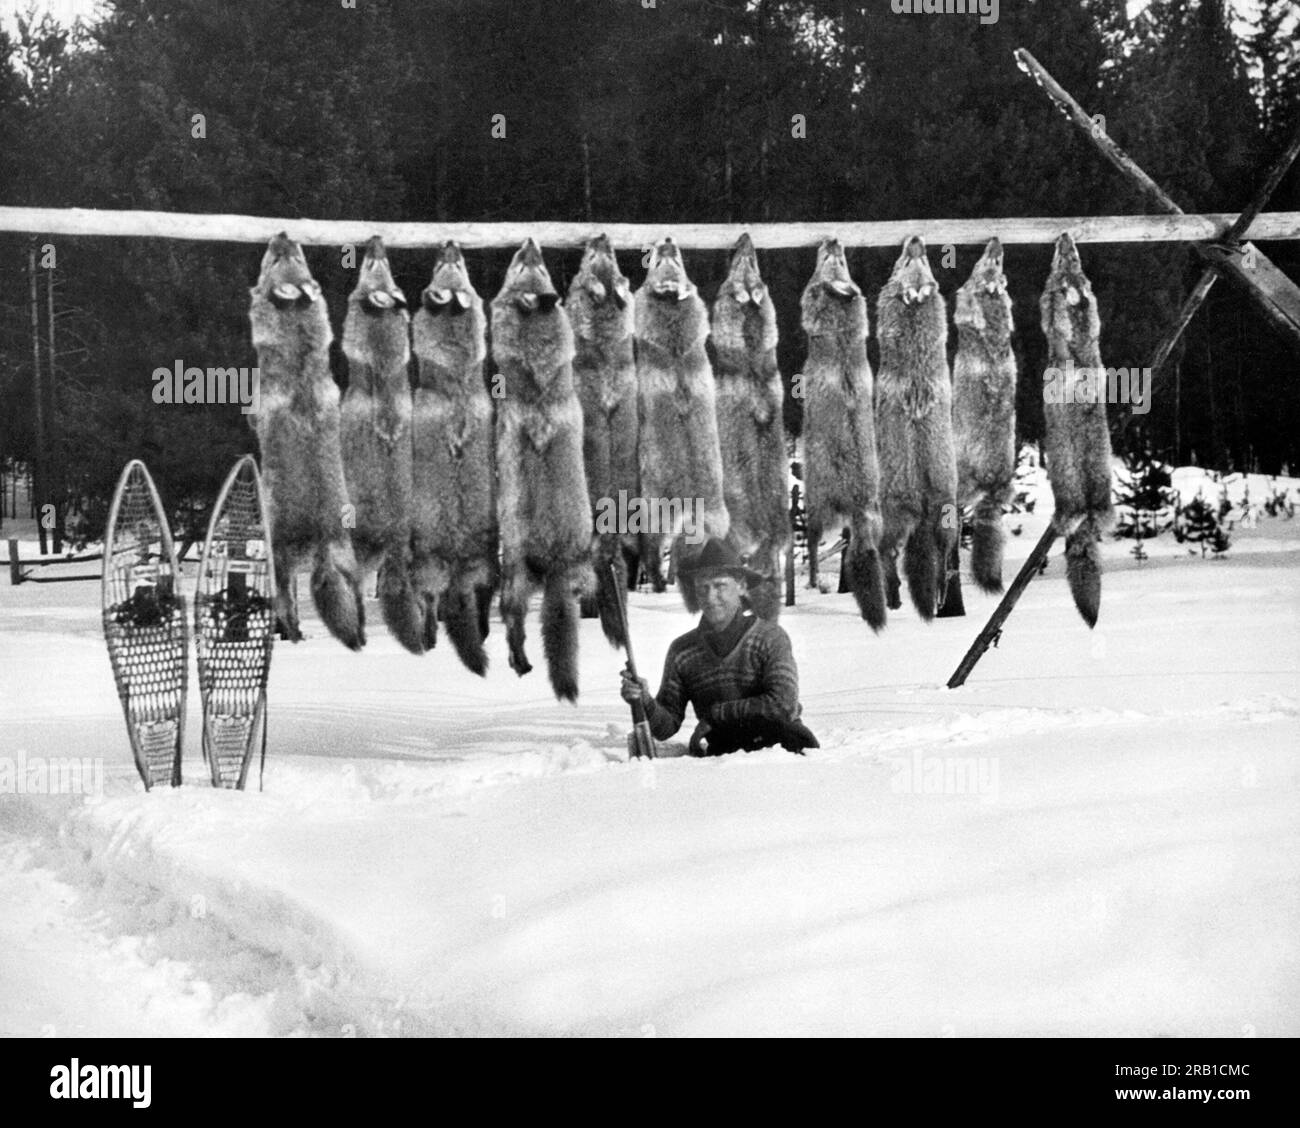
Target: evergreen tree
1147 494
1198 522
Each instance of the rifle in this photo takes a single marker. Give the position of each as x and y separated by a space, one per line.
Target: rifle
643 742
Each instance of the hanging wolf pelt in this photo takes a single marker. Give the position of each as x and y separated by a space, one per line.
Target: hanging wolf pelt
918 467
454 527
298 431
841 467
376 430
604 365
1077 435
984 410
543 507
680 458
751 428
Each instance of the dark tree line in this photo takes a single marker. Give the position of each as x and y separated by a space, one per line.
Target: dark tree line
611 111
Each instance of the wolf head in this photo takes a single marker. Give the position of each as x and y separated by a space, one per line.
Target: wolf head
669 310
599 277
528 284
832 301
449 337
667 279
287 312
449 290
744 284
910 307
284 280
743 315
375 337
983 304
376 292
912 275
1069 309
532 340
600 299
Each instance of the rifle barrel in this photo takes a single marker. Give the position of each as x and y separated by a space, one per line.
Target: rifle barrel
643 740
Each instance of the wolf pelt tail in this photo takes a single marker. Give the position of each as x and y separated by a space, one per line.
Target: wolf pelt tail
463 622
1083 567
611 590
336 591
923 563
865 571
401 607
765 598
987 540
684 557
560 615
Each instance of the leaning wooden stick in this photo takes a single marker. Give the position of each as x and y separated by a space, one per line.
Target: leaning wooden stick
989 635
643 743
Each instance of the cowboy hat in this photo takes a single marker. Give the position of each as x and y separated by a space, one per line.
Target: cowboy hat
718 556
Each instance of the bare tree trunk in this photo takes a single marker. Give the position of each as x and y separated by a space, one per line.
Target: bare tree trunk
1216 424
586 177
728 124
440 149
38 459
1178 413
765 205
52 390
726 156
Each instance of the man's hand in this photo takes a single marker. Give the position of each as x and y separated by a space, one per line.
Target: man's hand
634 690
699 739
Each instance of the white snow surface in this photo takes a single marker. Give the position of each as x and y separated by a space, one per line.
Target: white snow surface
1098 835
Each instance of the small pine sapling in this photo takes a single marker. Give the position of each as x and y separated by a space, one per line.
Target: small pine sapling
1143 500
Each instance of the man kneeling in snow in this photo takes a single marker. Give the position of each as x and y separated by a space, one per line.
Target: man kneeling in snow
736 670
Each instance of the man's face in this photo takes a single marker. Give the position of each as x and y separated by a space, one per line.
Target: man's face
719 597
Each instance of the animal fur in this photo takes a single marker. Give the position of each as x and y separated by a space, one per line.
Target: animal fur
1077 438
604 365
454 523
297 427
918 466
680 456
841 470
755 468
376 431
984 410
544 510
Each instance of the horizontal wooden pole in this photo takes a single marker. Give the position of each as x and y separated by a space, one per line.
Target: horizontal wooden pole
52 222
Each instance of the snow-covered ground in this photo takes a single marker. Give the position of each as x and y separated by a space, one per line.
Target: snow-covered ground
1099 834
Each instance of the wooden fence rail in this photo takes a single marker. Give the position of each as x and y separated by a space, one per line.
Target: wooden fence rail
693 236
19 573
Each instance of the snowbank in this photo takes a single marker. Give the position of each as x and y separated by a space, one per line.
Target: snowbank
1099 834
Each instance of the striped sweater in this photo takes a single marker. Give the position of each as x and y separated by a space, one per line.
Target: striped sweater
755 679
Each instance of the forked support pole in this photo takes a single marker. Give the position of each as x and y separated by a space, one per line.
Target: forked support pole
1282 303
